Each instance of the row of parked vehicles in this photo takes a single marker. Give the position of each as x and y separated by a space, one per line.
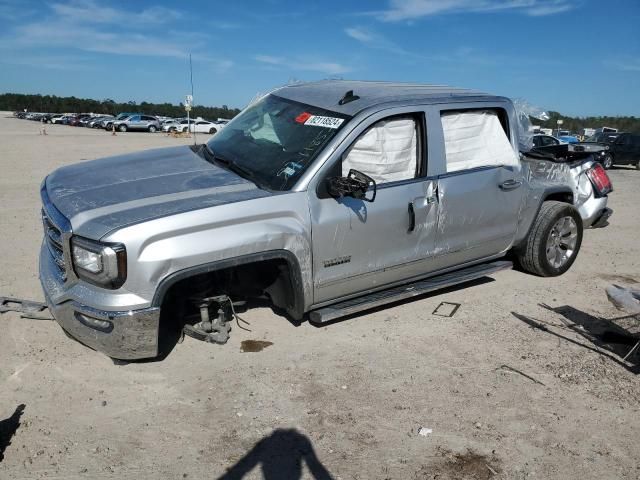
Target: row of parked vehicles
128 121
608 148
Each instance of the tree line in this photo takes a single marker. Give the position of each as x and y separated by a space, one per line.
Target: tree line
576 124
55 104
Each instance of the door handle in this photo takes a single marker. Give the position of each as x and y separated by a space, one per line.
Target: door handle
412 218
510 184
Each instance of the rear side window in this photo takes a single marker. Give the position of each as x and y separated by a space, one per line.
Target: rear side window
148 119
476 138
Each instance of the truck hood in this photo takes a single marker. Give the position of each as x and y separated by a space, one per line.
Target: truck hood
102 195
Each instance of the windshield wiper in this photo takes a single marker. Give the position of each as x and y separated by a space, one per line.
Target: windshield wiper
231 165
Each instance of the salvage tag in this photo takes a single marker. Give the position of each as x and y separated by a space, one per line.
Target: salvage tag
326 122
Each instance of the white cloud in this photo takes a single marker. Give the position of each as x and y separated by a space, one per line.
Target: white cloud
360 35
375 40
86 26
400 10
90 11
625 64
328 68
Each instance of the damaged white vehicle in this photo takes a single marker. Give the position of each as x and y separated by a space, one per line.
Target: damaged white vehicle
325 199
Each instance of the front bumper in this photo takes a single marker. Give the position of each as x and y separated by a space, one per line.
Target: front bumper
126 335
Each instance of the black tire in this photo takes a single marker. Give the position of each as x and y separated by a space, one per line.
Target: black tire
152 129
212 131
122 128
173 129
607 161
533 256
184 130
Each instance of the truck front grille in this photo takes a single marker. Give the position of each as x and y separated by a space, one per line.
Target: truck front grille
54 240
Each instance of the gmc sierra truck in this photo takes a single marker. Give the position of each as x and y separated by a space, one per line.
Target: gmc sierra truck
325 199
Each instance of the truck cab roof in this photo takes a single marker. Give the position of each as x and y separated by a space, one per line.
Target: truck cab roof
332 94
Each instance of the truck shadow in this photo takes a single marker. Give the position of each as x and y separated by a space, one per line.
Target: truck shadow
8 428
604 336
280 456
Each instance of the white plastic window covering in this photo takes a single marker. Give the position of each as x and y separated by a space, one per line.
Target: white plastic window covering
475 139
387 152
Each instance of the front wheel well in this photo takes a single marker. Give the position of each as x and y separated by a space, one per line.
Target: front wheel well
271 278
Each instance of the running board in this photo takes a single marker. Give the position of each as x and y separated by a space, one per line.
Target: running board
395 294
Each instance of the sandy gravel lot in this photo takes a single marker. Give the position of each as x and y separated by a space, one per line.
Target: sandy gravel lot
344 401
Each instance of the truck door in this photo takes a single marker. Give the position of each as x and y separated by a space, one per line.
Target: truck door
360 245
624 149
480 194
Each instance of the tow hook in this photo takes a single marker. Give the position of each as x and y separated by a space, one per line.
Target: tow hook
212 330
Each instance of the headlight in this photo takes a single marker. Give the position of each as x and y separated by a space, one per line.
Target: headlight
102 264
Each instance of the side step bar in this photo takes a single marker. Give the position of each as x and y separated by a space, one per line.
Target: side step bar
395 294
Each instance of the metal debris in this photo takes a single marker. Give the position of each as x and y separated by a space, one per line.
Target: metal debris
515 370
626 299
446 309
26 308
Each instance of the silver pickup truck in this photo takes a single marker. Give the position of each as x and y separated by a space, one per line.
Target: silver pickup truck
325 199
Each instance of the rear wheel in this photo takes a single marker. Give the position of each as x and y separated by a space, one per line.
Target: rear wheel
152 129
554 240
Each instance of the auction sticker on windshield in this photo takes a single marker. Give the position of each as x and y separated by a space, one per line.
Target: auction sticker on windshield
326 122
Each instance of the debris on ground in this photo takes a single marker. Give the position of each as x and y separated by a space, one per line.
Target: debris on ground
446 309
26 308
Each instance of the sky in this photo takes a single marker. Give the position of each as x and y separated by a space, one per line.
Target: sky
578 57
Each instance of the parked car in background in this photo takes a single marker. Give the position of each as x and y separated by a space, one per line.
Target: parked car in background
84 121
96 121
614 148
138 122
603 137
57 118
183 125
204 126
625 150
568 139
77 121
106 124
541 140
170 125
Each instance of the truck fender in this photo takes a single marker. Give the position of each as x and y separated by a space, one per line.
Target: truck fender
296 311
561 193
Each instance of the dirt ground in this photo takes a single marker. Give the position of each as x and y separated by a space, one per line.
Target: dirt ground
516 385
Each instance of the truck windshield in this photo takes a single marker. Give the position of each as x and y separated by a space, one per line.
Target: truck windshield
276 140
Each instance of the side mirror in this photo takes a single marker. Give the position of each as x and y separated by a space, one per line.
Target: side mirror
356 184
